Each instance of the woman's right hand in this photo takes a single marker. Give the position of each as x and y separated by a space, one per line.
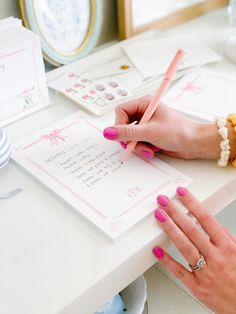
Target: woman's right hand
171 132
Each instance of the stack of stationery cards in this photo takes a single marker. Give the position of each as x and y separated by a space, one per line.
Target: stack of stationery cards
23 88
74 160
203 94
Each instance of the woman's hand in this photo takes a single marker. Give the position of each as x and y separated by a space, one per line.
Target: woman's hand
215 283
168 130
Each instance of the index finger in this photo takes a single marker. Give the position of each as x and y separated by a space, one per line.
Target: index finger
131 110
208 222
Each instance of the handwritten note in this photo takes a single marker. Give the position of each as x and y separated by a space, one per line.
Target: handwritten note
85 162
74 160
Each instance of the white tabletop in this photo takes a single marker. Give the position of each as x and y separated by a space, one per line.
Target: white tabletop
52 260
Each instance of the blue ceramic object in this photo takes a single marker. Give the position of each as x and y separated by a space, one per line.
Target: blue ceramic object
115 307
5 150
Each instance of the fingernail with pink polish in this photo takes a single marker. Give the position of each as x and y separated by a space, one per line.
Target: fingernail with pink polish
123 145
162 200
160 215
147 153
158 252
181 191
110 133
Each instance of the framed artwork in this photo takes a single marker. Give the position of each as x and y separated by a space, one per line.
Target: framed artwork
68 29
135 16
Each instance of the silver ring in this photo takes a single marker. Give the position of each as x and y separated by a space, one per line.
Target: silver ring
200 264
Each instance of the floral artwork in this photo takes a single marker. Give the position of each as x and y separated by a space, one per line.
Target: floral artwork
65 22
27 97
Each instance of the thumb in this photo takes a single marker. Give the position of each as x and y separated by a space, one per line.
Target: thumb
126 132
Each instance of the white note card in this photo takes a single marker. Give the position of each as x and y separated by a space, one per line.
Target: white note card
152 57
203 94
23 88
73 159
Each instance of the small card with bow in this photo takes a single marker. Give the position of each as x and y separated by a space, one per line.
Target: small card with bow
203 94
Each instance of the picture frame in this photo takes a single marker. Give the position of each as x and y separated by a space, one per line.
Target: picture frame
127 26
68 29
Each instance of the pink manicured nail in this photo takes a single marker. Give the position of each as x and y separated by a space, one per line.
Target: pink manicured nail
181 191
147 153
158 252
160 215
110 133
155 149
123 145
162 200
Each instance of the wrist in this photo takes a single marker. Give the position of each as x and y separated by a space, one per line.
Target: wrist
206 141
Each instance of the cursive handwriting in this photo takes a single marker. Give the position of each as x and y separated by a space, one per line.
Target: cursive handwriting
86 162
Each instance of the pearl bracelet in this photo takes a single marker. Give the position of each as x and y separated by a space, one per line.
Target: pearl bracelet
224 144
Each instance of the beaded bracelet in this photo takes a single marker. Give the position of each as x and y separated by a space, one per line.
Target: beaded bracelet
224 144
232 119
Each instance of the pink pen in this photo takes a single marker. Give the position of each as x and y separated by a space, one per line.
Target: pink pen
157 97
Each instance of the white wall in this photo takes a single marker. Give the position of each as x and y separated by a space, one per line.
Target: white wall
8 8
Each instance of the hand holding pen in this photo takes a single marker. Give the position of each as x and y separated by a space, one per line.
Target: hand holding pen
157 97
167 130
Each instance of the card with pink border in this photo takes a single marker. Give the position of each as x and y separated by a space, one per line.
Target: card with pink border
23 88
203 94
73 159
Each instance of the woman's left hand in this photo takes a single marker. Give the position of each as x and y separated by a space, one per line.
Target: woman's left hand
214 284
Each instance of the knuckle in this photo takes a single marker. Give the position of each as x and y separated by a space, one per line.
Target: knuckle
219 263
145 132
170 229
179 273
130 133
193 230
229 248
118 109
192 203
188 250
166 261
205 217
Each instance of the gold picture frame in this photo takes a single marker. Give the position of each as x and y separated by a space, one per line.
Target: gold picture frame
51 52
125 20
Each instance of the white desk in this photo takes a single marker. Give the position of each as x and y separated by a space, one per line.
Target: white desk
52 260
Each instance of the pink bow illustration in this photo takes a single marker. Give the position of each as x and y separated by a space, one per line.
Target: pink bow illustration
54 136
189 87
